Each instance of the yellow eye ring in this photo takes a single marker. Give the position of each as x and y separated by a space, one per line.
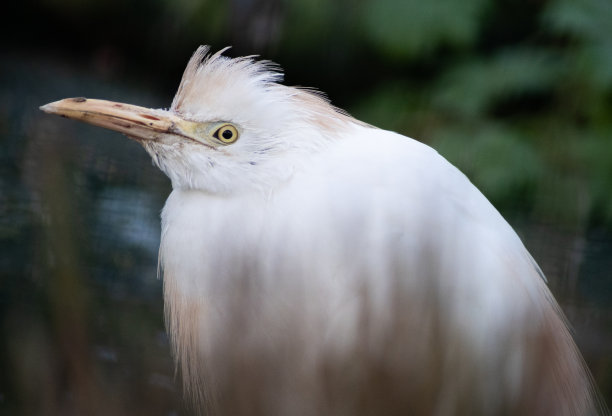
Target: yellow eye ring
226 134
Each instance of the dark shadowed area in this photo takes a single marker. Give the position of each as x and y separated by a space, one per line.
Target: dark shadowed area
518 95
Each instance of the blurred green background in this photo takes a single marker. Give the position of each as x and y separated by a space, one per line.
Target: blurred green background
517 94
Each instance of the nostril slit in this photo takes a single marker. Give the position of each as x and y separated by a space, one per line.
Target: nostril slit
150 117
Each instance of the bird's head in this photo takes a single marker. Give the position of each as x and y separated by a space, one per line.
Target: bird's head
227 126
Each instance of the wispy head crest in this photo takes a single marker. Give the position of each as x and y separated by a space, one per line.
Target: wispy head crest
206 67
247 91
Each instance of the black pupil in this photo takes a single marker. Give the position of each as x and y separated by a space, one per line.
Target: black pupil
227 134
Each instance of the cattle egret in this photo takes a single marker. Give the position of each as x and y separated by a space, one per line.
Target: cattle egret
314 264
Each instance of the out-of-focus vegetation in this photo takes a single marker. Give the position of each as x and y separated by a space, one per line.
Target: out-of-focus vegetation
517 94
519 99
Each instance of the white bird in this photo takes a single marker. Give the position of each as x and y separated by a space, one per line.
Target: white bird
314 264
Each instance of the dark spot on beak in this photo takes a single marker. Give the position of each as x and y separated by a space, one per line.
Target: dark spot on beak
117 105
150 117
79 99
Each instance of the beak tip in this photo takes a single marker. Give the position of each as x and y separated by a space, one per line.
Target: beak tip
53 107
47 108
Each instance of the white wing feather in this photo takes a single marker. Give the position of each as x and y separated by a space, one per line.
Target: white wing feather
377 254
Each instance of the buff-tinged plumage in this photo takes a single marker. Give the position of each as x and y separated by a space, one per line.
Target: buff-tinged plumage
318 265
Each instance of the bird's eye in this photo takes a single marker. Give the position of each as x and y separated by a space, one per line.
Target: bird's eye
226 134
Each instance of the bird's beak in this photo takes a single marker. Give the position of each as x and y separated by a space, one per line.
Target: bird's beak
138 123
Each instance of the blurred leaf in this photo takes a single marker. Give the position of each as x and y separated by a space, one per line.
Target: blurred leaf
311 22
588 22
388 106
595 153
407 28
588 19
400 107
207 20
474 87
499 160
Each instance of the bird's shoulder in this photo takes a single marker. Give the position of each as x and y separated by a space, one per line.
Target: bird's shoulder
375 163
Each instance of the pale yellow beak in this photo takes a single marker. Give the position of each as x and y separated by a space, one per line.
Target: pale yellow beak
138 123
